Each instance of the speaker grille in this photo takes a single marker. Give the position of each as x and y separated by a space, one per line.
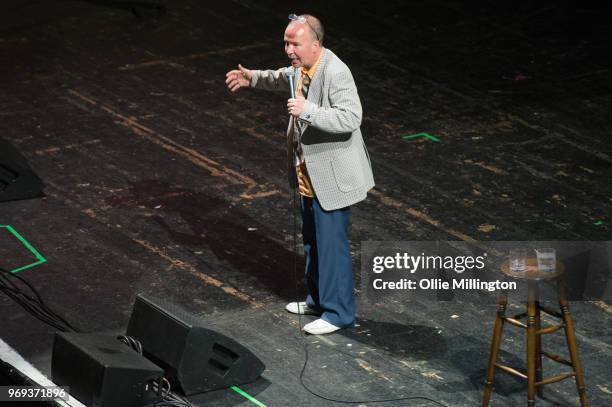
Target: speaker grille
101 371
196 359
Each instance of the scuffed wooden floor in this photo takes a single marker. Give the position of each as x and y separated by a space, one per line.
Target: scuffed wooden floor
159 180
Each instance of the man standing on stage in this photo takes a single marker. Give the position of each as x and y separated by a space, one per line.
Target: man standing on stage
328 164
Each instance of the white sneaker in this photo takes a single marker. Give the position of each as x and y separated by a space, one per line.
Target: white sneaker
320 327
301 308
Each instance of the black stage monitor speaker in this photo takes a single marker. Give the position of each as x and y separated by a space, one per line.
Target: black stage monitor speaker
196 359
102 371
17 180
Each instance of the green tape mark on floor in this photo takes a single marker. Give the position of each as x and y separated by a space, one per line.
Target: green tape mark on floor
248 396
598 223
39 258
423 134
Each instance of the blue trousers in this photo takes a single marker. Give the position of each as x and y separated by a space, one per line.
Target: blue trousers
329 272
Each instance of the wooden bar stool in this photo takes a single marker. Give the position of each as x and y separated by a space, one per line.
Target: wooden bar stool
534 375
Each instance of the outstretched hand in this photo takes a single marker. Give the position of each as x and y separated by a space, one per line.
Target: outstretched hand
238 78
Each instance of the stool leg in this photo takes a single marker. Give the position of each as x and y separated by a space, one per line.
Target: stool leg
531 345
570 335
497 333
538 351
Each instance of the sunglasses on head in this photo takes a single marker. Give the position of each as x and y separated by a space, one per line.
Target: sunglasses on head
302 19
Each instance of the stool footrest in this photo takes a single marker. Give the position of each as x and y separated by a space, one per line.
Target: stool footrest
512 371
556 378
551 311
515 322
549 329
557 358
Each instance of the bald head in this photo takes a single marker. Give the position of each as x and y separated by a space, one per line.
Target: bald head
303 39
316 28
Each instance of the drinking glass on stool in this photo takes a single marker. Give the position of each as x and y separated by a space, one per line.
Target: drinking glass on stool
546 260
517 260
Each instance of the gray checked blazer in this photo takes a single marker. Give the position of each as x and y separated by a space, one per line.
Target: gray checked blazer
336 157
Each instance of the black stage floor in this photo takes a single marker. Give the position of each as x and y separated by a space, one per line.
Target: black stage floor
159 180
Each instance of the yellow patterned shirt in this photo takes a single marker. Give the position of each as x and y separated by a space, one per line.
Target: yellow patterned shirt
304 185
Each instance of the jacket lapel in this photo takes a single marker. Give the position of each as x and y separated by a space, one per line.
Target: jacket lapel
316 84
315 91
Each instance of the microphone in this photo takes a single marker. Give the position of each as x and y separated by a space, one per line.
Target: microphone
290 74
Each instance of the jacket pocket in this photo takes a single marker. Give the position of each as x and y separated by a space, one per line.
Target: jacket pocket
347 170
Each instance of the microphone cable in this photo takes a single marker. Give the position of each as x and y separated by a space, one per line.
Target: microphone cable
302 335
